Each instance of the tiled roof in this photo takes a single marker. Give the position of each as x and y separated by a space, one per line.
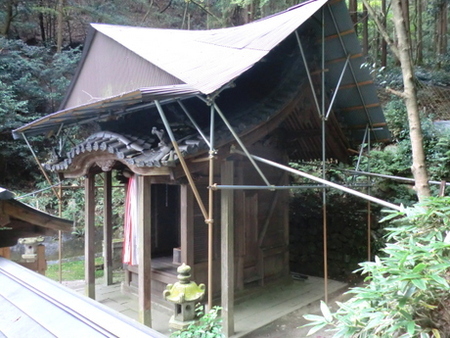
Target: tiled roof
139 151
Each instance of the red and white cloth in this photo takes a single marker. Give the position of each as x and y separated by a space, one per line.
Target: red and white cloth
130 243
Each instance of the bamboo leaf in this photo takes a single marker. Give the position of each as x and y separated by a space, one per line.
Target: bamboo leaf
440 280
411 327
419 283
326 312
316 328
419 268
313 318
436 333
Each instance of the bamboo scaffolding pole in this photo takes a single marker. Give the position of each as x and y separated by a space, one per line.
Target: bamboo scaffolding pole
182 161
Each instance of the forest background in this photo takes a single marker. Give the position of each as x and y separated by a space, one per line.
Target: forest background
41 43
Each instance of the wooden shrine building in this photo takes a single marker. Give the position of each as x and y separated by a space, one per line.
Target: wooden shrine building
197 122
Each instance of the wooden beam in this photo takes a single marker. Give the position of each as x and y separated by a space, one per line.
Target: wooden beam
337 35
26 213
227 248
372 105
107 228
343 59
187 227
363 127
144 247
357 84
89 232
4 218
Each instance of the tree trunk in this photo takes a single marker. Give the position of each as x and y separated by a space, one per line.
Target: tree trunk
383 41
41 23
353 8
419 11
365 31
60 26
406 17
418 168
442 23
8 19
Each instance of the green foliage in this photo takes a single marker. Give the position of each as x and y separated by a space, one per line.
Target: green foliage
73 203
32 82
209 325
406 294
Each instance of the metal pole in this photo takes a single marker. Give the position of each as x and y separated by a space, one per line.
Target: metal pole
59 197
182 161
272 187
240 143
320 180
324 191
361 152
40 166
351 67
337 86
395 178
194 123
60 234
369 211
308 72
362 147
263 187
210 220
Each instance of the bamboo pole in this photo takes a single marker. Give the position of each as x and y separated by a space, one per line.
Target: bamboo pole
182 161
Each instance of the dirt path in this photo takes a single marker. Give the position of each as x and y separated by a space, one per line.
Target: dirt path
289 326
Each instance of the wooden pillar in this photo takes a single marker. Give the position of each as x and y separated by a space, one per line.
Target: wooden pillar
41 262
89 229
107 228
144 247
227 248
187 227
5 252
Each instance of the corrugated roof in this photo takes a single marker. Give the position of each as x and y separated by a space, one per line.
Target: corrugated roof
207 60
99 110
35 306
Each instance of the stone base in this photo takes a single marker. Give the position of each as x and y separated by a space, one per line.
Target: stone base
179 325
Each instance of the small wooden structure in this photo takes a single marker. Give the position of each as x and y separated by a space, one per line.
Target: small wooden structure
19 220
186 113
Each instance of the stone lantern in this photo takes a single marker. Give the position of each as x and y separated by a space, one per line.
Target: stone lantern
30 245
183 294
